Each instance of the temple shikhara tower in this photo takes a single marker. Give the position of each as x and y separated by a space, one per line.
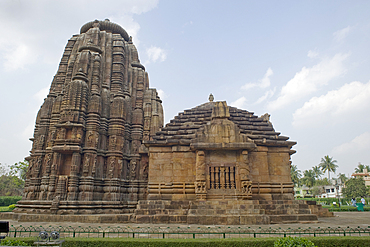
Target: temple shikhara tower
100 149
87 151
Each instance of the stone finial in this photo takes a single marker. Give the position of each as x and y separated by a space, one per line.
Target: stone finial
220 110
211 98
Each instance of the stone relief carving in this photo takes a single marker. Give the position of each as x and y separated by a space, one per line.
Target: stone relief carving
112 164
133 169
200 187
246 187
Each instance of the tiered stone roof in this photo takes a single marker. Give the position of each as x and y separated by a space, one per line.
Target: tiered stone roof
182 129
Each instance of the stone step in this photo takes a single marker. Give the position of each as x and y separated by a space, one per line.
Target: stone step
160 218
224 212
161 211
293 218
228 220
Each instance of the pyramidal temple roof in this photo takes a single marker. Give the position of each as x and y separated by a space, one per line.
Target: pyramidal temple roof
183 128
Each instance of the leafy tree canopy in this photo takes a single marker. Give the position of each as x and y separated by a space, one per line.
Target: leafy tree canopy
355 187
322 182
12 182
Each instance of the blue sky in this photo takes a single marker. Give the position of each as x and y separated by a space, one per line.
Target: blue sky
304 62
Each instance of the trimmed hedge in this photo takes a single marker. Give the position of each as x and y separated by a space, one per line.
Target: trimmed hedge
293 242
235 242
345 208
9 200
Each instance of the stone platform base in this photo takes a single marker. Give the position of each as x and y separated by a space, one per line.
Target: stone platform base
211 212
224 212
160 219
91 218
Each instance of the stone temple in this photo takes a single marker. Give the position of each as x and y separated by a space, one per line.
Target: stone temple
100 148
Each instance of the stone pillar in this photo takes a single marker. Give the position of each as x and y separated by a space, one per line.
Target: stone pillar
73 178
45 178
245 183
53 175
200 183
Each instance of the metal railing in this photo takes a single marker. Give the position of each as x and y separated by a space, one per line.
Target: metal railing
186 232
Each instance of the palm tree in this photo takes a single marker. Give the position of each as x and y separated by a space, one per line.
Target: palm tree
317 171
342 178
328 164
308 178
360 168
295 174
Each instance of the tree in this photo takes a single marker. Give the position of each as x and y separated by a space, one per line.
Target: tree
295 174
308 178
317 171
355 187
342 178
360 168
12 182
317 190
328 164
20 169
322 182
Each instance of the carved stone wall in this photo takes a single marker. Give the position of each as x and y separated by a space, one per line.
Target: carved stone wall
87 148
214 152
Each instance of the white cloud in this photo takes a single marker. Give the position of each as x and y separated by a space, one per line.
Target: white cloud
341 34
17 56
351 99
161 94
239 103
308 80
27 26
156 54
312 54
360 144
28 131
262 83
268 94
41 94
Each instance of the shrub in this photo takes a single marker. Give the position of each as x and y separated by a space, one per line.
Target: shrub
9 200
293 242
13 242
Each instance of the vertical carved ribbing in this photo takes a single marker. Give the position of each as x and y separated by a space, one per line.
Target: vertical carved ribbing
87 144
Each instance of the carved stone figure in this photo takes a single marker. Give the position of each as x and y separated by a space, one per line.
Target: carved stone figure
133 170
41 141
111 167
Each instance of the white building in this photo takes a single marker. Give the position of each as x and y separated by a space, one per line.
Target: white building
331 191
365 175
